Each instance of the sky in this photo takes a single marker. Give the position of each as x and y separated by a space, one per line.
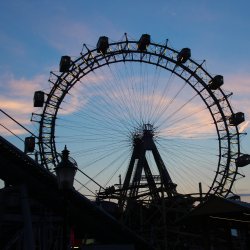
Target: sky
35 34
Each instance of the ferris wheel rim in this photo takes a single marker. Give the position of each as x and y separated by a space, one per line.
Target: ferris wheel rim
124 51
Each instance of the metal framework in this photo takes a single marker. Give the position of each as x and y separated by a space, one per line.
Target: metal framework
166 58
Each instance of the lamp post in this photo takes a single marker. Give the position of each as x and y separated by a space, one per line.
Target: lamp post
65 172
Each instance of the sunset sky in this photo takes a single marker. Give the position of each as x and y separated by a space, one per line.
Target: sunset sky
35 34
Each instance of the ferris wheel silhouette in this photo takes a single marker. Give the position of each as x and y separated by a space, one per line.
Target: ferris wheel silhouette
137 115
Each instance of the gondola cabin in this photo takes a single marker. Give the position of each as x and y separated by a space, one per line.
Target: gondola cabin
183 55
143 42
102 44
65 64
242 160
236 119
216 82
38 99
29 144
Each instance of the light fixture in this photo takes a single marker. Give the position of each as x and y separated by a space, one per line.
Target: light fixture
65 171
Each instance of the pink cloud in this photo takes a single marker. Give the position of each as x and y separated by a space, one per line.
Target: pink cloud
16 99
22 87
17 96
66 35
239 84
18 107
8 124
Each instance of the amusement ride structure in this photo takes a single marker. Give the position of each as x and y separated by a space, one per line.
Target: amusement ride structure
153 133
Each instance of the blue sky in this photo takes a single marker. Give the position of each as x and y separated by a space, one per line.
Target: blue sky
35 34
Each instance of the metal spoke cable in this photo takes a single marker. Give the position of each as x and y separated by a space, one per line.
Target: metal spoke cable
132 87
163 110
101 157
176 111
183 118
99 118
107 90
152 95
12 132
125 90
163 96
106 167
120 92
118 168
183 173
179 175
101 150
84 186
185 157
182 151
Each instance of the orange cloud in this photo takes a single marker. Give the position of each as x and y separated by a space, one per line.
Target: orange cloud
16 99
239 84
18 107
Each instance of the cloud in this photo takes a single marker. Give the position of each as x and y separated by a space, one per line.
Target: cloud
193 120
197 122
72 103
239 84
21 87
244 126
21 106
66 35
17 96
16 99
9 127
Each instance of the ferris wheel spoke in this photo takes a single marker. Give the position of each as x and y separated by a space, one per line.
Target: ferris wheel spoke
203 154
163 97
182 119
152 92
103 119
112 164
170 102
101 156
187 165
182 175
118 168
110 93
177 110
105 131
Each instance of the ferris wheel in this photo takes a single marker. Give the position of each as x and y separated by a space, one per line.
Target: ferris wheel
132 111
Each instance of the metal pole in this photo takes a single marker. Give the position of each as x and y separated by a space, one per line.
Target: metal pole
66 228
200 191
165 238
28 232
